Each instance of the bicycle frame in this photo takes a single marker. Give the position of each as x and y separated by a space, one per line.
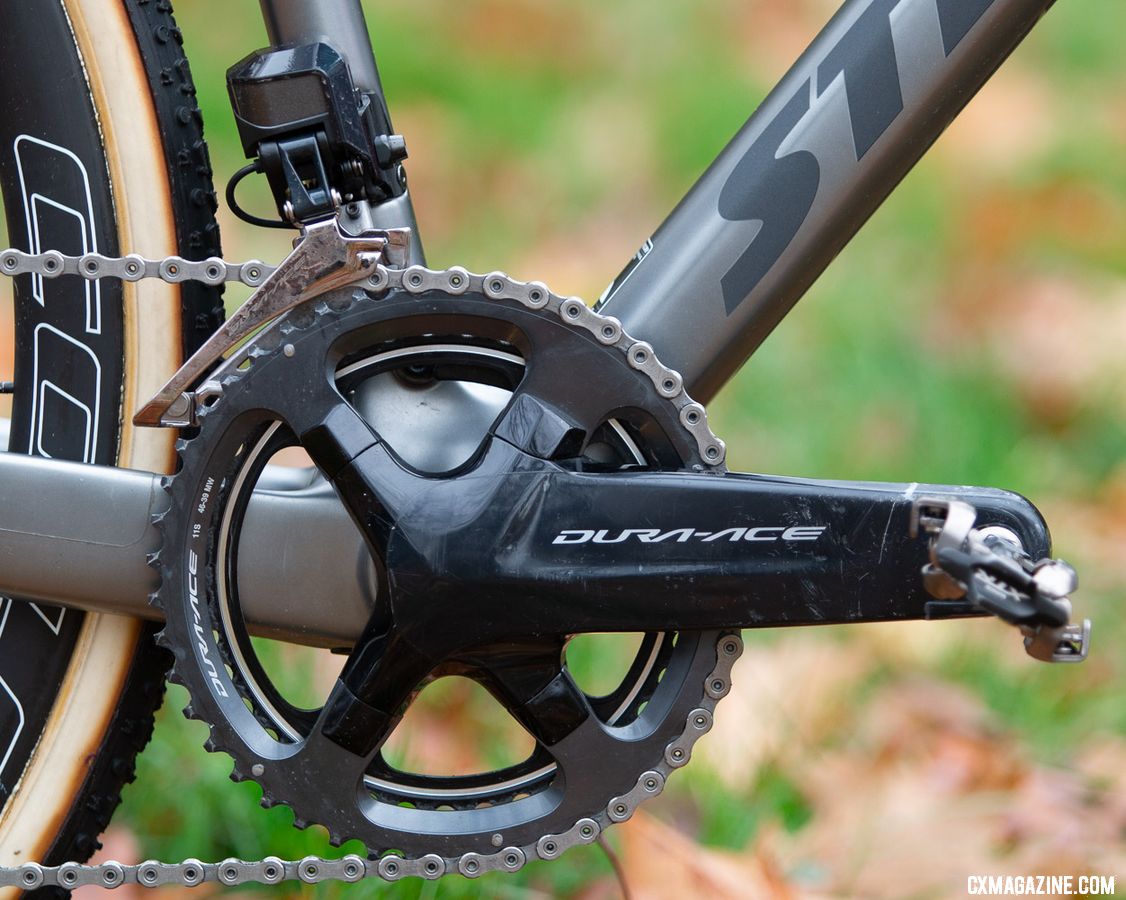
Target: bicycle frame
857 110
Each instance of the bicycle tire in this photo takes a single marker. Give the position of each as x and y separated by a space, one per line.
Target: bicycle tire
130 144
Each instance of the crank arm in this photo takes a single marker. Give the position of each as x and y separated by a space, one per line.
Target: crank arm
532 548
523 549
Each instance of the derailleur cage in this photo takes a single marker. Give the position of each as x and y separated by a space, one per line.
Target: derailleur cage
324 257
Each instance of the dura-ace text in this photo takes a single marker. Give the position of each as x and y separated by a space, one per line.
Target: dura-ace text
757 533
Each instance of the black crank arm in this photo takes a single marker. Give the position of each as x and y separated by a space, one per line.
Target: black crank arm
546 551
522 549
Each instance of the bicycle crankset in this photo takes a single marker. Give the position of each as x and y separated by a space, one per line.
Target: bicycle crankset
577 490
578 398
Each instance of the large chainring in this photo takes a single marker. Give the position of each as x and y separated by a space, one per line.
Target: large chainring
553 353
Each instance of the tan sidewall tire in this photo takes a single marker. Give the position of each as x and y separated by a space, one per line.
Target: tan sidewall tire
104 652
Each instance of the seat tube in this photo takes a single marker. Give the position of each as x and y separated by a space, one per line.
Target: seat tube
339 23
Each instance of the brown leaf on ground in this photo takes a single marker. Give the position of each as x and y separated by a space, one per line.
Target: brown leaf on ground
1114 116
1095 531
1056 341
776 34
1104 762
658 862
930 791
443 198
583 260
913 645
525 32
1001 221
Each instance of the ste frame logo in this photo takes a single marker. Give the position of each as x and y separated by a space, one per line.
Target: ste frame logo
779 190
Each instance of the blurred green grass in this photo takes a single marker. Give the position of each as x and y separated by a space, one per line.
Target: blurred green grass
544 132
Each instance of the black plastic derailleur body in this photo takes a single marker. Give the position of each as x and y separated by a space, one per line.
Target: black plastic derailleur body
319 141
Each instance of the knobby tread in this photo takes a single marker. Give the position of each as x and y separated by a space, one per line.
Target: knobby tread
160 43
185 151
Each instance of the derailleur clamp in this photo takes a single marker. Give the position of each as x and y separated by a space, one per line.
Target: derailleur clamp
990 569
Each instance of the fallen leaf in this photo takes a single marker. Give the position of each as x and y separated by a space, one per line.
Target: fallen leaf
658 862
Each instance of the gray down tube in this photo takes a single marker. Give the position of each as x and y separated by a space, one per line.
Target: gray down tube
295 544
822 152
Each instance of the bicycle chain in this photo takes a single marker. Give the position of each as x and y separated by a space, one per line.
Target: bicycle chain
171 269
352 868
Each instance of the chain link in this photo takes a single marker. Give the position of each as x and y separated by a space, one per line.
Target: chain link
171 269
314 869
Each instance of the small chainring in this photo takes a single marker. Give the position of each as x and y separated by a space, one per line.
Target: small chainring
624 409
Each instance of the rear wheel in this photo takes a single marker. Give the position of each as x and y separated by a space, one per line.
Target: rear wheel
100 149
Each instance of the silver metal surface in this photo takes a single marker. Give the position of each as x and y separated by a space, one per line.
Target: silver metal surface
295 545
396 213
1067 644
78 535
430 444
172 269
304 573
324 258
1055 578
